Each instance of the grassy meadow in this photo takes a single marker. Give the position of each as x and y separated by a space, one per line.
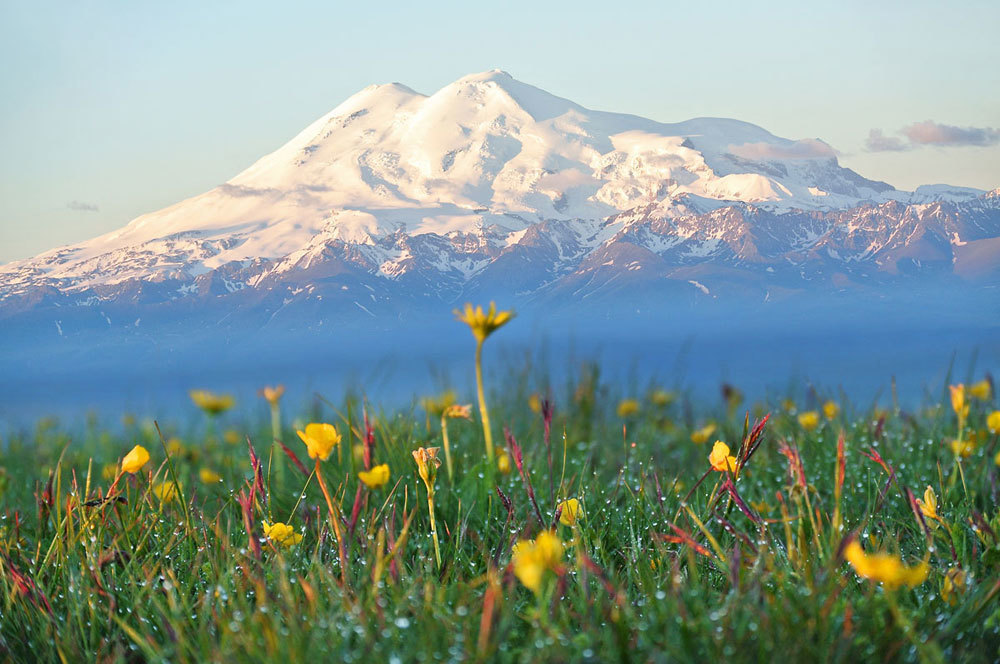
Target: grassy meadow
580 524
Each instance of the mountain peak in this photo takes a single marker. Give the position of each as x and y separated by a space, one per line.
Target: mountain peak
392 94
486 155
536 102
488 75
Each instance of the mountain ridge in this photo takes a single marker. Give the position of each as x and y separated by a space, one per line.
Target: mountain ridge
493 186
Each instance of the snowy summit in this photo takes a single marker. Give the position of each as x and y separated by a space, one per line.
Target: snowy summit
393 182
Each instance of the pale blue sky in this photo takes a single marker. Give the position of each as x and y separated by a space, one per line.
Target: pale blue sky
112 109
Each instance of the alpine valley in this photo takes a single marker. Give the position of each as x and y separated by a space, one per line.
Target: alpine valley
396 204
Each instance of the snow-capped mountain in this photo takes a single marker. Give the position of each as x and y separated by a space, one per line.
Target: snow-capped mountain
492 187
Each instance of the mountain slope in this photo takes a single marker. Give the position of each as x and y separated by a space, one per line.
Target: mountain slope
492 187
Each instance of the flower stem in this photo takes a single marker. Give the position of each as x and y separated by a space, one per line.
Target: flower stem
278 460
484 413
334 521
434 533
447 447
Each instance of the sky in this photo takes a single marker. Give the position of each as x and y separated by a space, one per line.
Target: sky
109 110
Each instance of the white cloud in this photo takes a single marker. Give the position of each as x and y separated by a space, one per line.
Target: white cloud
81 206
929 132
879 142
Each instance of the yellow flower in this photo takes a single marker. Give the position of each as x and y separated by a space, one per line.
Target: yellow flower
427 466
209 476
571 512
628 408
320 439
928 506
884 568
135 459
527 567
437 405
993 422
165 491
732 395
109 471
535 403
376 477
483 324
962 448
788 405
953 586
503 461
662 398
981 390
282 534
958 401
231 436
456 411
213 404
809 420
996 459
533 557
175 447
427 463
549 548
830 410
701 436
273 394
720 458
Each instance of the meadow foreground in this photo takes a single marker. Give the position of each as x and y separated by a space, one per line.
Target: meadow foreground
591 527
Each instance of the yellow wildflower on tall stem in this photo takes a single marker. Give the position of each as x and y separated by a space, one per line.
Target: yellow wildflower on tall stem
165 491
701 436
884 568
532 558
928 507
376 477
981 390
953 586
961 446
273 397
452 412
628 408
960 405
721 460
569 512
993 422
427 465
435 406
483 324
213 405
132 463
320 439
809 420
282 534
135 459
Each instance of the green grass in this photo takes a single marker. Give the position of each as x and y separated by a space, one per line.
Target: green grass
135 579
